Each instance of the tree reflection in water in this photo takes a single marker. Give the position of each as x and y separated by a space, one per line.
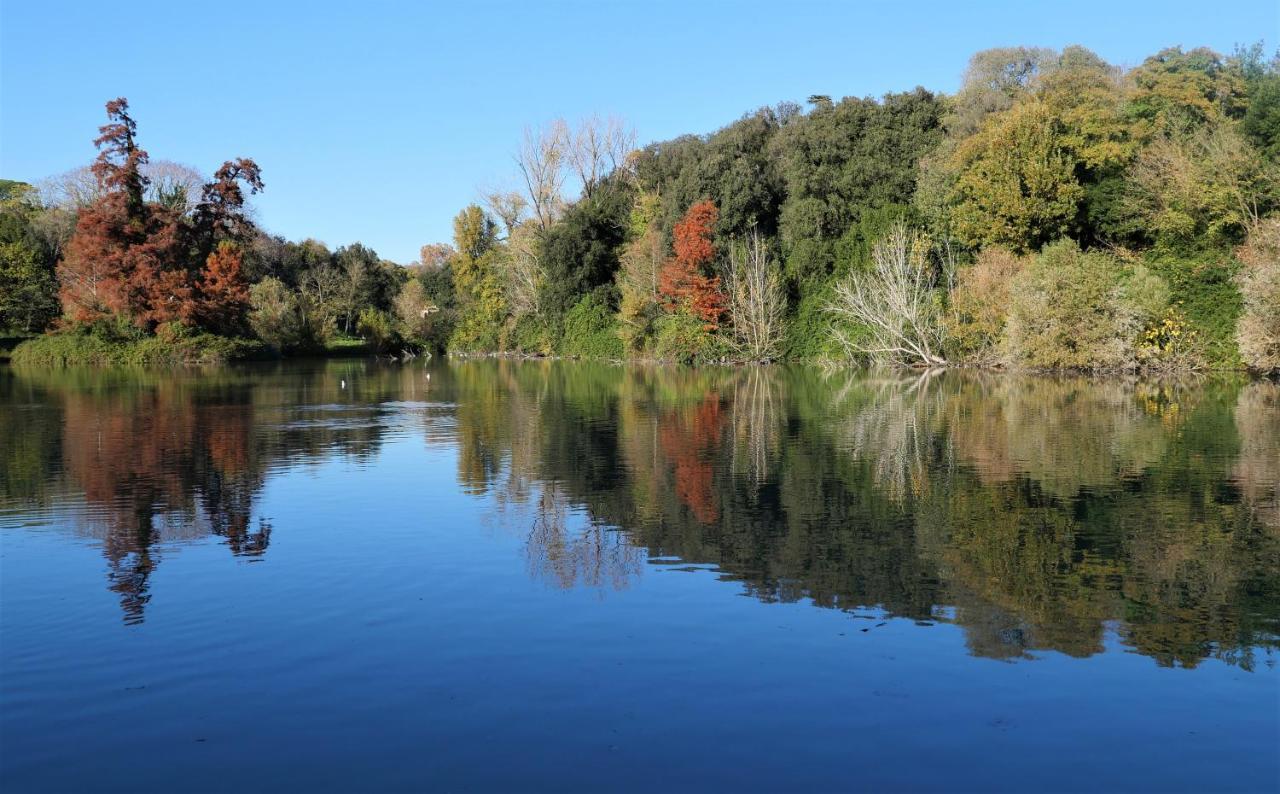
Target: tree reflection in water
1037 513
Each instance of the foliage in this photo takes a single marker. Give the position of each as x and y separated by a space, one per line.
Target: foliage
682 338
108 343
274 315
1075 310
979 306
1016 183
1207 185
1259 330
683 282
895 302
378 328
580 253
590 330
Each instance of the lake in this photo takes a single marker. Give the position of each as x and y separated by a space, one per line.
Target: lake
499 575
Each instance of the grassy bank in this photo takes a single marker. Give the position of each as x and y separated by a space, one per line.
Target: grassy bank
101 345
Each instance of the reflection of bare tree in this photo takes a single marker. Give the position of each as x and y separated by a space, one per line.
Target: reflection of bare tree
892 422
1257 469
758 420
594 556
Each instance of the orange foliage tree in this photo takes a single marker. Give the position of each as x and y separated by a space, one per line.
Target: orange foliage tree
149 262
683 281
223 289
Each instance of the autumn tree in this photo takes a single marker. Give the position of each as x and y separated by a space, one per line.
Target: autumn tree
118 260
220 214
1016 183
224 293
684 282
478 288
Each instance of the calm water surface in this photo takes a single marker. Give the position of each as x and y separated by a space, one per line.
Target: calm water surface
523 576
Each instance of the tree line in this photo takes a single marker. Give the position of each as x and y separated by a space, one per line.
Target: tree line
1057 211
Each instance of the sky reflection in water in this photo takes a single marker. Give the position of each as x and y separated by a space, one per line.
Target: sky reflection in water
499 574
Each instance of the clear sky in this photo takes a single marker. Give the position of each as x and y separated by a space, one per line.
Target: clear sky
377 121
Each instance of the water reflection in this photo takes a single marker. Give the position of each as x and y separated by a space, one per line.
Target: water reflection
1036 513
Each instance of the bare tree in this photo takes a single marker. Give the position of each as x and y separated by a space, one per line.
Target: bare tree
507 206
71 189
894 301
600 147
522 272
541 159
173 184
757 301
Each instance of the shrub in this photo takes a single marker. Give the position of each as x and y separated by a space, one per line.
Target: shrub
1076 310
810 334
683 338
1204 287
532 333
591 330
273 314
1259 330
980 306
378 329
116 343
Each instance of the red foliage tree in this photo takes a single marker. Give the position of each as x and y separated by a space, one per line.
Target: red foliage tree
224 292
220 214
121 258
683 281
147 261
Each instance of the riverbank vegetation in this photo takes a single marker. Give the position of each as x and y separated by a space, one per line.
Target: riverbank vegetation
1056 212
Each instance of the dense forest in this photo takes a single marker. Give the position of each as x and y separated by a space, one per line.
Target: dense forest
1056 212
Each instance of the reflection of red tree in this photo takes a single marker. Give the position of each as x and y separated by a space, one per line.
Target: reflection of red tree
157 464
690 441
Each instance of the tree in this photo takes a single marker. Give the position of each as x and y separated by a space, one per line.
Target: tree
476 281
979 306
224 293
415 312
28 284
580 253
508 207
1259 331
994 82
1075 310
541 160
598 148
1207 184
28 288
757 301
274 315
220 213
522 271
639 265
1016 180
683 282
895 302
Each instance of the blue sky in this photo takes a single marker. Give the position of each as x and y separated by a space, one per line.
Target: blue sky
378 121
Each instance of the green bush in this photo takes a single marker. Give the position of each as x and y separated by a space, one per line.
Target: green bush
1075 310
378 328
1204 287
532 333
683 338
810 334
591 330
119 344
